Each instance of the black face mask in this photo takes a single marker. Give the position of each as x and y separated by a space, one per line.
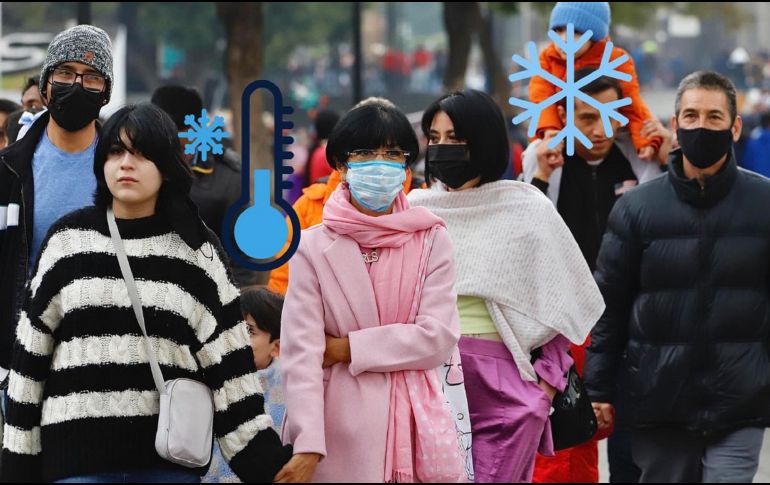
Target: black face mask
73 107
451 164
703 147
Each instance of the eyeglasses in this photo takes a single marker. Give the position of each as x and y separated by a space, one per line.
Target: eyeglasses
90 81
367 154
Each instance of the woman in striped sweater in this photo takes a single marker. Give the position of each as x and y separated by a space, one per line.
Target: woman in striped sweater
83 406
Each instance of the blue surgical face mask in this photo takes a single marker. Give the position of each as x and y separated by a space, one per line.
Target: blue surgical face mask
376 184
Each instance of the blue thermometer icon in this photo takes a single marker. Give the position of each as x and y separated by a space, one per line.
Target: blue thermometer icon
258 231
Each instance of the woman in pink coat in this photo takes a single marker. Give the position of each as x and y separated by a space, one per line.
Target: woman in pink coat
369 315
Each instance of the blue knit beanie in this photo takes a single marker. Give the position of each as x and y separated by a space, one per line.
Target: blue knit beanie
593 16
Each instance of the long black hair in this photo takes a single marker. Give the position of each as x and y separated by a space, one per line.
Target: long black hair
151 132
478 120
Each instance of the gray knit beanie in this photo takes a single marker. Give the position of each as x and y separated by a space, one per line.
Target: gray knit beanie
82 43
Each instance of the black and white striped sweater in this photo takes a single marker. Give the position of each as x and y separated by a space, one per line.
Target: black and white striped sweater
82 398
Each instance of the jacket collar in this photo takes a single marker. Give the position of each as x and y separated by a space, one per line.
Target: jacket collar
715 187
348 267
18 155
199 166
615 155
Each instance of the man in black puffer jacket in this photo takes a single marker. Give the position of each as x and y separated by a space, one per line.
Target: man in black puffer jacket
684 268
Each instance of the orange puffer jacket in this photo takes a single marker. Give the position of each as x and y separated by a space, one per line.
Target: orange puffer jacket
637 112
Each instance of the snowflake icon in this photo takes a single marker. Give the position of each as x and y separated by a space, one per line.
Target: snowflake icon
204 135
569 89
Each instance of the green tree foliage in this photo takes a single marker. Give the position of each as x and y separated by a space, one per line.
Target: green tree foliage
196 28
289 24
192 26
640 14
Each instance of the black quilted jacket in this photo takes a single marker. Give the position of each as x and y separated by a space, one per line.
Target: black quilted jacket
685 273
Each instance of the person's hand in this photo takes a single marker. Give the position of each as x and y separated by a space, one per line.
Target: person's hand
300 469
550 133
654 128
603 412
549 389
646 153
548 159
337 350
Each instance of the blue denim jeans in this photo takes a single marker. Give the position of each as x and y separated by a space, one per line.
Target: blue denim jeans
143 476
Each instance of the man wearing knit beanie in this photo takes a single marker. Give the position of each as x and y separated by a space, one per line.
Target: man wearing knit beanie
49 172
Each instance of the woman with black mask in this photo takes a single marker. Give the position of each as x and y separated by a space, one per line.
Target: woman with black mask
523 287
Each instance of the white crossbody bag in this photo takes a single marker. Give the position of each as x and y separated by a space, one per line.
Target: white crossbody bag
186 414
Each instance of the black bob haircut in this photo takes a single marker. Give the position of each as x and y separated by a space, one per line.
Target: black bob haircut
265 308
371 125
151 132
478 120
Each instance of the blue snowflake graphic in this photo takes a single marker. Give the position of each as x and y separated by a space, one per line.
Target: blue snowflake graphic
570 89
204 135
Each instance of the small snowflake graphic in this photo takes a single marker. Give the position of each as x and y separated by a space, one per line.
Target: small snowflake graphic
570 89
204 137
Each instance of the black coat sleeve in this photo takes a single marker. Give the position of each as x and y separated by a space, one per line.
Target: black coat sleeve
617 276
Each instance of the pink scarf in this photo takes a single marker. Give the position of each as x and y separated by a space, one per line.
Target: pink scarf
422 440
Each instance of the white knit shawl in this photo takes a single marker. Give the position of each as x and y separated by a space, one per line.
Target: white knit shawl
513 250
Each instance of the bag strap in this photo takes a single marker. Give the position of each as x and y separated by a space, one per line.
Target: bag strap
422 272
136 302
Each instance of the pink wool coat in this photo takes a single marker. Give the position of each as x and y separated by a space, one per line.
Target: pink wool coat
342 412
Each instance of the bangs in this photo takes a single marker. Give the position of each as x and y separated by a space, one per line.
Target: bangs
147 130
147 134
383 130
371 126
